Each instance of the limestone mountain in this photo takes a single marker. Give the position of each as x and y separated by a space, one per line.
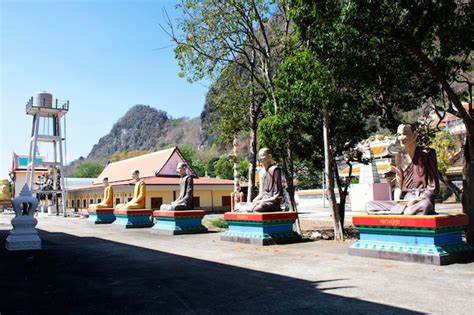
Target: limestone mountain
146 128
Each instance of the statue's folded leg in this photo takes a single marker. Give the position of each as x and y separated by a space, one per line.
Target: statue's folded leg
422 207
244 207
101 206
166 207
179 207
385 207
132 205
266 206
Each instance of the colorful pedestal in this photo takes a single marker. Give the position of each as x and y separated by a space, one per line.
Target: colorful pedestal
178 222
133 218
430 239
261 228
101 216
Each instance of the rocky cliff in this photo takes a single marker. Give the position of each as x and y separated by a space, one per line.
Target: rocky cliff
146 128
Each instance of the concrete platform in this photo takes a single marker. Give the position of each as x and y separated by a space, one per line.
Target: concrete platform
101 216
133 218
429 239
178 222
91 269
270 228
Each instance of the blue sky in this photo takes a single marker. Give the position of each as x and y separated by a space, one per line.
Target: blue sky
101 55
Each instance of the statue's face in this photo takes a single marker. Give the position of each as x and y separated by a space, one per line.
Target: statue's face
136 176
105 182
181 171
264 159
406 136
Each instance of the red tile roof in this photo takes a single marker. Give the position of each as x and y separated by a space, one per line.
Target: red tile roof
147 164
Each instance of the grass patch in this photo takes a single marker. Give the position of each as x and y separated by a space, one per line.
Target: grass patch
219 223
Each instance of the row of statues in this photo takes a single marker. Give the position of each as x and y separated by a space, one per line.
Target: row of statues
184 201
417 184
269 199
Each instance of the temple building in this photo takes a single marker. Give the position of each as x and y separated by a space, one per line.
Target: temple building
18 170
158 171
382 160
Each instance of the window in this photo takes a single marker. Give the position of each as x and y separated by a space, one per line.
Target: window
99 200
72 203
78 203
226 201
129 199
156 202
196 202
117 201
91 201
84 202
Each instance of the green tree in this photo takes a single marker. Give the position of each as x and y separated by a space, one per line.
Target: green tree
447 147
250 35
211 167
225 168
306 89
88 169
431 41
127 155
190 155
244 169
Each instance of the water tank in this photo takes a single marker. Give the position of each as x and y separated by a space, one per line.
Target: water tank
43 99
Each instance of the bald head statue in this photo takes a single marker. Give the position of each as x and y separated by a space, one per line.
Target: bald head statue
265 157
181 169
406 135
136 175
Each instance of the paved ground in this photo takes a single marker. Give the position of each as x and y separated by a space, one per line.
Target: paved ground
86 268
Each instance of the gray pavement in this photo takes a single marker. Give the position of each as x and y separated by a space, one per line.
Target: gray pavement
97 269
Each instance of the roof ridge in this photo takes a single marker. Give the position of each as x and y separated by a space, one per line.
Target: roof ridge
141 156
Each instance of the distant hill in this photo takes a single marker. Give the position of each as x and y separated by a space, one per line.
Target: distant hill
146 128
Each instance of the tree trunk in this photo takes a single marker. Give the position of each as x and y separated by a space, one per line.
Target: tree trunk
288 170
468 187
252 158
455 190
328 169
343 192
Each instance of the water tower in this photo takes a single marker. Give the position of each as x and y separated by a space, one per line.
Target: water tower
47 114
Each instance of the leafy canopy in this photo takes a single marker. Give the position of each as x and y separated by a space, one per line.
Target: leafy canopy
88 169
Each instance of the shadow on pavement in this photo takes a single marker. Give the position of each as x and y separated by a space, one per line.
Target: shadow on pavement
77 275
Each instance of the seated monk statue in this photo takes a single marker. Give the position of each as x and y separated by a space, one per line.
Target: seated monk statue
185 199
417 179
138 200
271 193
108 197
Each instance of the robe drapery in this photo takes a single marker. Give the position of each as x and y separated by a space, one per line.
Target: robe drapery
418 180
271 193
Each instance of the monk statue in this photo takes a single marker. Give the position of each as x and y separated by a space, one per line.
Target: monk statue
185 199
108 197
271 194
138 200
417 178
